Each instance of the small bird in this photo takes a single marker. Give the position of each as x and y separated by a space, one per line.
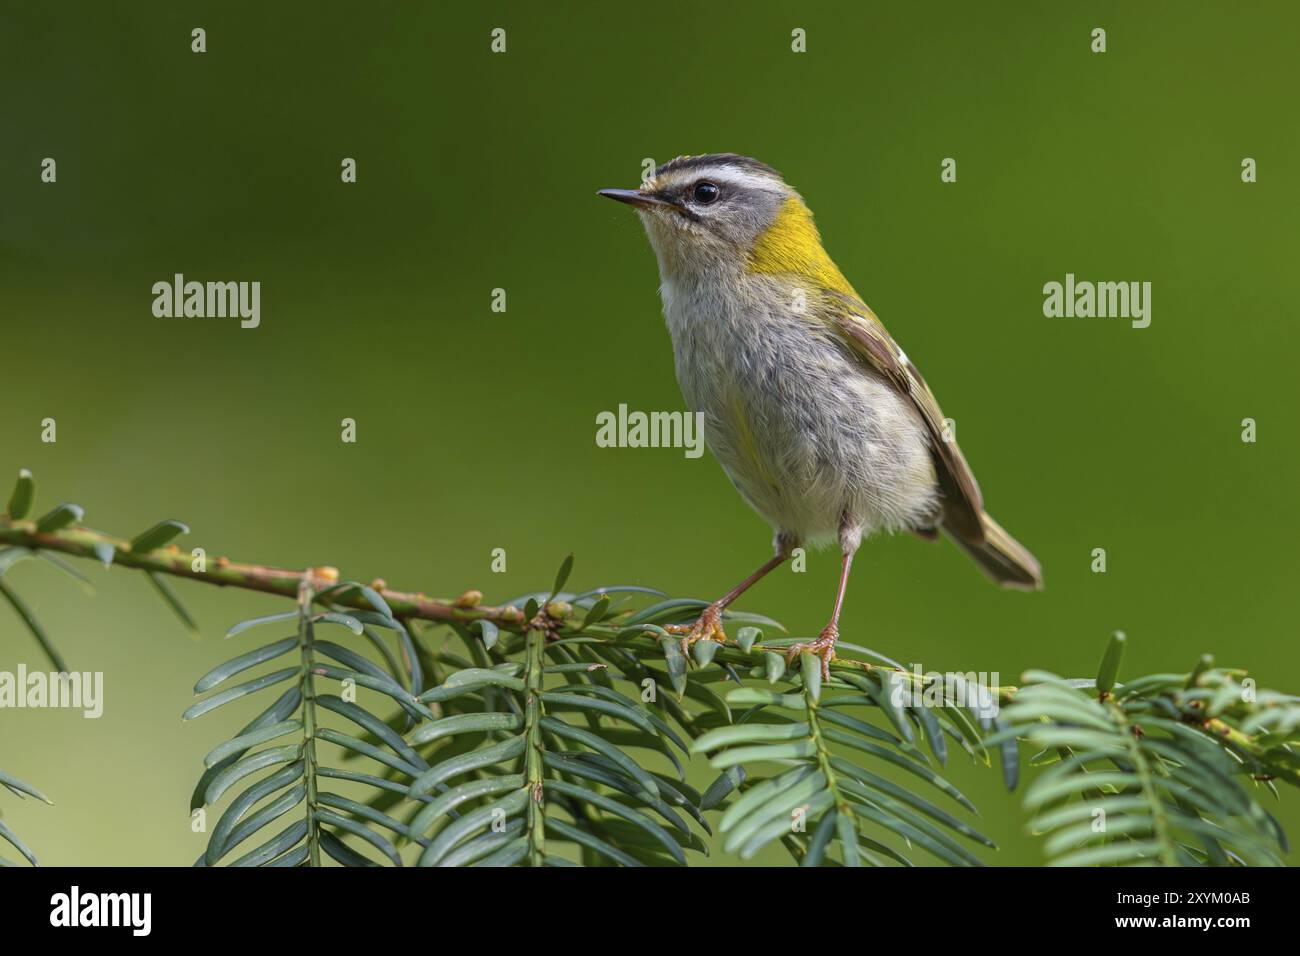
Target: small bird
821 421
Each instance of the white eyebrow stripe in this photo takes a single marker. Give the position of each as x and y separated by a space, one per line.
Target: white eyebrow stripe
723 174
735 176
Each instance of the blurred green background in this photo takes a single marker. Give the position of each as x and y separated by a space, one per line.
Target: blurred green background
476 430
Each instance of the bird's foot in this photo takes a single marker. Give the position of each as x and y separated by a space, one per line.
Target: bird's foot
823 649
707 628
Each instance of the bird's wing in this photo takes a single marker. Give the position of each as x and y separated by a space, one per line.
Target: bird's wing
962 505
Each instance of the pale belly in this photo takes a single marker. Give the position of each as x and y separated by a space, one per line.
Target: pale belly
813 441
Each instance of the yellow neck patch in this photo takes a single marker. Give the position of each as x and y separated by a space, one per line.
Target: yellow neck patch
792 245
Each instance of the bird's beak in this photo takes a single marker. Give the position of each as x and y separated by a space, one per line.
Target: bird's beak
634 197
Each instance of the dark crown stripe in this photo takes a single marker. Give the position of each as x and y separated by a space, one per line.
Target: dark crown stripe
715 159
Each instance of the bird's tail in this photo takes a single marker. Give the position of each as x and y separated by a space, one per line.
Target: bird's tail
1004 559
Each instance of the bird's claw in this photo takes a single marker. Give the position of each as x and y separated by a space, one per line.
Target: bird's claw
823 649
708 627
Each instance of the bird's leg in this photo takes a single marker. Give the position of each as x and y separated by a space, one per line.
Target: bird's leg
824 647
709 624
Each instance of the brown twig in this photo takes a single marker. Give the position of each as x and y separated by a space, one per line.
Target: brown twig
86 543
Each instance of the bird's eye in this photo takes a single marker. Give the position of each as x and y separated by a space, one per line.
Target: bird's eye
706 193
